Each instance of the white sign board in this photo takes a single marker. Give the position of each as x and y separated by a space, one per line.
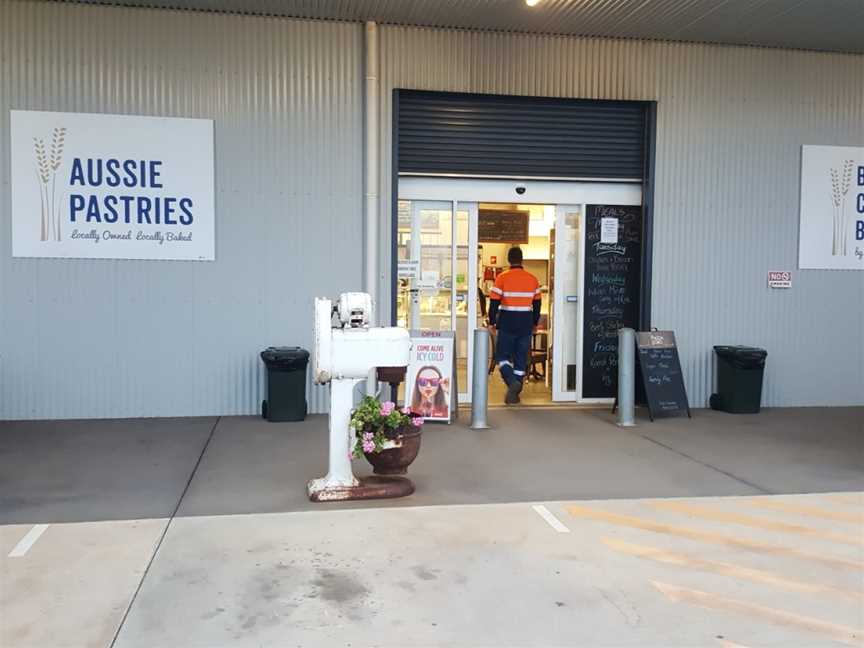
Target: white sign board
831 234
780 279
429 380
112 186
409 269
428 280
609 230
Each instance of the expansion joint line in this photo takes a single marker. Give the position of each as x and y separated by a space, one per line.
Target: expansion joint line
762 490
165 532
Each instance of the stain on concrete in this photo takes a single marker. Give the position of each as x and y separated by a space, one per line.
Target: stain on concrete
264 548
409 587
339 587
268 588
212 614
423 574
250 623
192 576
621 602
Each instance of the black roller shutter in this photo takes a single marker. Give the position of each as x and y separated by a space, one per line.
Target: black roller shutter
492 135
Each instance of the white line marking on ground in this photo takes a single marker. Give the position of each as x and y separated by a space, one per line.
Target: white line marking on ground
28 541
554 522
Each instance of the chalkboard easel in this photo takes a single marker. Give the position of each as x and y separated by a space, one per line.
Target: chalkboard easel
660 368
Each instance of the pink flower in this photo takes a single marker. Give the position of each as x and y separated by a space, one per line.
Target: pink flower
387 407
368 446
417 421
406 410
367 437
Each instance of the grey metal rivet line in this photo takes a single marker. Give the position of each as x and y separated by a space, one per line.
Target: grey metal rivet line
480 380
626 376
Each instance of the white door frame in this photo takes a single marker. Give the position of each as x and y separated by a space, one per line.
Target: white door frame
466 193
559 303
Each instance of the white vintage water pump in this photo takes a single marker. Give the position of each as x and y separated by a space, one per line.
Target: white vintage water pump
347 349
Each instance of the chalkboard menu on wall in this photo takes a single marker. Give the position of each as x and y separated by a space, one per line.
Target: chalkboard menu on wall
611 292
502 226
661 374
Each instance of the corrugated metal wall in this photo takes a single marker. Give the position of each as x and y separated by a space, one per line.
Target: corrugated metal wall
137 338
731 122
102 338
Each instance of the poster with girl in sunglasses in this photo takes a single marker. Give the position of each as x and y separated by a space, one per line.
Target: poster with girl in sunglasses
429 376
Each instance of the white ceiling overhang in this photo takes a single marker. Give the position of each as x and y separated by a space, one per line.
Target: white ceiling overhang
825 25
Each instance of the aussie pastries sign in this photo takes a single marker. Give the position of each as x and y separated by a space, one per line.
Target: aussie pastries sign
832 208
111 186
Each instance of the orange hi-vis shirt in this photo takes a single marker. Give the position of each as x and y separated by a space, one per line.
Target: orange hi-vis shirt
515 306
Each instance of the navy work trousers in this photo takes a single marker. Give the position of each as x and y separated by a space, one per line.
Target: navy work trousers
511 354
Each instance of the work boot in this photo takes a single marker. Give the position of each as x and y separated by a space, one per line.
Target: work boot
513 391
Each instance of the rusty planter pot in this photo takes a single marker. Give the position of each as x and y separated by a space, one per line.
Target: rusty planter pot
395 460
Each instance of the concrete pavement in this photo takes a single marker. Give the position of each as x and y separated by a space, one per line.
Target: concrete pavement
629 572
196 532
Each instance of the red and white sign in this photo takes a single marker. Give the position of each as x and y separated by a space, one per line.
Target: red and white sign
493 259
429 380
780 279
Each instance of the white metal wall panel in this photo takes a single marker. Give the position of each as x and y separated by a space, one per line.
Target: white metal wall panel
106 338
730 125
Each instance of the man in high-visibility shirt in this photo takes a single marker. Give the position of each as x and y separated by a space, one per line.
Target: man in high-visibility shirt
514 311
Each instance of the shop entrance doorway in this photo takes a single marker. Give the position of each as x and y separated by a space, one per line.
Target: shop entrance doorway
458 232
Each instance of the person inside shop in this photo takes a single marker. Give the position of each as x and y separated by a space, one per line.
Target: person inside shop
514 312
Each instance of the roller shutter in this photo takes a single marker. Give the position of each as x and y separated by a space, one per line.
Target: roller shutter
492 135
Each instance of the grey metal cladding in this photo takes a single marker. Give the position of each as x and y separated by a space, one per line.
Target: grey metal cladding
480 134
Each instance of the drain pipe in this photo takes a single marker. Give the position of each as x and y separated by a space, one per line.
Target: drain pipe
371 182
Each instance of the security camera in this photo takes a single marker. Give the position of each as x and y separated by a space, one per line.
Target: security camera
521 189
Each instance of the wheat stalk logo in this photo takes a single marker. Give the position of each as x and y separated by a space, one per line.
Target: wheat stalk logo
841 180
48 162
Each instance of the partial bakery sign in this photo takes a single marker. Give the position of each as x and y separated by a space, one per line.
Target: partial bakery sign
112 186
831 233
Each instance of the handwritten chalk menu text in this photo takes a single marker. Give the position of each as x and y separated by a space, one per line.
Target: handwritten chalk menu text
502 226
611 294
661 374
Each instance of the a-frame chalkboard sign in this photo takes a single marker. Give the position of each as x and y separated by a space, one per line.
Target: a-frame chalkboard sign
660 368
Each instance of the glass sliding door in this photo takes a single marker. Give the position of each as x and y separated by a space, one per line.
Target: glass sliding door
437 235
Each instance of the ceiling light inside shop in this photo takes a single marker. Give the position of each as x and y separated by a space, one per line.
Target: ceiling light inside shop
532 3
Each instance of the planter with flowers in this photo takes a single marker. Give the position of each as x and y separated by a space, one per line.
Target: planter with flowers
388 437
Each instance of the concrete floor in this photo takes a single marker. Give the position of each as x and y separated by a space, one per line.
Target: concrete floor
197 532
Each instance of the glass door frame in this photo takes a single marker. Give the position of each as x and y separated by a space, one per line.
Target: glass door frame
455 207
465 192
